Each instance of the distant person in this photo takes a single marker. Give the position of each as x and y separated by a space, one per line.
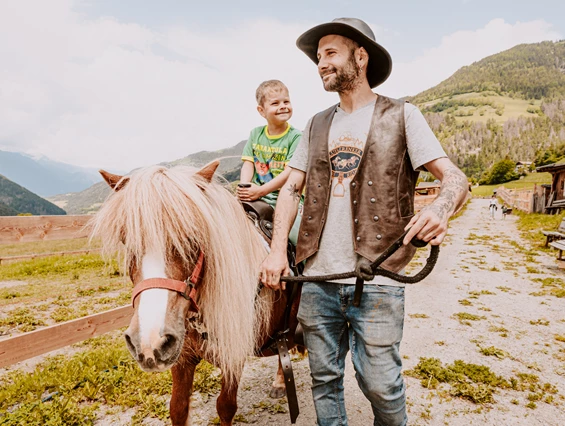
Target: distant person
504 211
269 149
492 206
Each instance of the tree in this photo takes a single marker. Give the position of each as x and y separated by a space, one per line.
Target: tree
503 171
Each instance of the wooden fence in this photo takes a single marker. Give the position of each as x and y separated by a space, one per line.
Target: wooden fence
14 229
527 200
19 229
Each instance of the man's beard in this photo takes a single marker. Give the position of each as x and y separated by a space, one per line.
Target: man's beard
345 79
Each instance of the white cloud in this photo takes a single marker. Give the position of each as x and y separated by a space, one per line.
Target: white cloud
103 93
463 48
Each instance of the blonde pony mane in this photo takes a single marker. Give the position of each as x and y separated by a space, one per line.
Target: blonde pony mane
177 211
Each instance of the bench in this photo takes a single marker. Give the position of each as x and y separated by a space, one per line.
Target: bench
555 235
559 245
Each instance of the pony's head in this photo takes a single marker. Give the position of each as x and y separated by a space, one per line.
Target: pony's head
165 223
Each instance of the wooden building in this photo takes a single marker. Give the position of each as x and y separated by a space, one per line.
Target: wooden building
554 195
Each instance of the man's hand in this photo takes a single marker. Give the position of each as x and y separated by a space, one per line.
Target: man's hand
251 193
429 225
272 269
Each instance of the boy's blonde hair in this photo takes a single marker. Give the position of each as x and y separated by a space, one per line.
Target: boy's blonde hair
267 86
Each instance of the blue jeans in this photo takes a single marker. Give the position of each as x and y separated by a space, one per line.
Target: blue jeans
373 331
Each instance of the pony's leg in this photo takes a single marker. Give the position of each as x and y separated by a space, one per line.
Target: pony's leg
226 404
183 376
278 390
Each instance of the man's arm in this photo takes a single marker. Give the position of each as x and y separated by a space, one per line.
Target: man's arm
276 263
430 224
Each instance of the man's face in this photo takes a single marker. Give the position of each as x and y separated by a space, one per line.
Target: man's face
336 64
276 107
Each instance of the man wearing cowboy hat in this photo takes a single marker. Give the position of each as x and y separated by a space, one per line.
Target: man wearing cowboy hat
358 161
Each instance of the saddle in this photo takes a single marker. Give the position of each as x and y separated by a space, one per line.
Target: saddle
262 214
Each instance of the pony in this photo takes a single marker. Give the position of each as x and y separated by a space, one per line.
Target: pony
180 225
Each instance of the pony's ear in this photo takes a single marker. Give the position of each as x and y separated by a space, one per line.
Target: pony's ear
207 172
116 182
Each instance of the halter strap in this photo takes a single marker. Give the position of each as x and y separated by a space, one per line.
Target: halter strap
186 289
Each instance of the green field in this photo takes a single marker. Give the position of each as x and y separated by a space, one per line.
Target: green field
506 106
527 182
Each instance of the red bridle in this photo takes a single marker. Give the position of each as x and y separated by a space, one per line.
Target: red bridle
186 289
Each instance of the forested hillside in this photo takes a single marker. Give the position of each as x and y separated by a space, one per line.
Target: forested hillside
511 104
18 199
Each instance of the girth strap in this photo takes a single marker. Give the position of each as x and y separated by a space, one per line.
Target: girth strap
186 289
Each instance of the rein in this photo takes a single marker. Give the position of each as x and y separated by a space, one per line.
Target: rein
376 269
186 289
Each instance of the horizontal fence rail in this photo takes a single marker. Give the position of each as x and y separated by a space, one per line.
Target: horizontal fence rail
15 229
5 259
39 342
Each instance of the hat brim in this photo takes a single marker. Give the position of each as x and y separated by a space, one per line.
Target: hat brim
380 62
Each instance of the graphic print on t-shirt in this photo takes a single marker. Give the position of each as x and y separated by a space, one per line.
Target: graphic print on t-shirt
345 156
263 170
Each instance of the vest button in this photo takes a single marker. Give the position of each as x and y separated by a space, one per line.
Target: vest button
358 238
314 201
354 202
370 183
310 217
373 200
319 185
356 220
353 184
306 234
375 218
379 237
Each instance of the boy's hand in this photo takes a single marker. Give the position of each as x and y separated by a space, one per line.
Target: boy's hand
251 193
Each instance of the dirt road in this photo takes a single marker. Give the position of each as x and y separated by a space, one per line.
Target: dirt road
486 270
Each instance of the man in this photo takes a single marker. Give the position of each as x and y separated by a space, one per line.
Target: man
358 161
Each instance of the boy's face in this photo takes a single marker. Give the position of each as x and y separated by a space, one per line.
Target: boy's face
276 108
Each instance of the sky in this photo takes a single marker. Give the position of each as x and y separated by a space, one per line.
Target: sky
120 84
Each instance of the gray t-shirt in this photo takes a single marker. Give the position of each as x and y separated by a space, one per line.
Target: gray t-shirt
347 137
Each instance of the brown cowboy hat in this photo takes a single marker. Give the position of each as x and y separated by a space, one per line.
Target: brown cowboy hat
380 62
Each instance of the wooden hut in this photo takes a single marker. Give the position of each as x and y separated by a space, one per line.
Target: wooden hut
555 201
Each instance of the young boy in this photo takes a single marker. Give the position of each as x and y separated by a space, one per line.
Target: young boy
269 149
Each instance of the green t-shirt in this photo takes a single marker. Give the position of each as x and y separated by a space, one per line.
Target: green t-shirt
270 154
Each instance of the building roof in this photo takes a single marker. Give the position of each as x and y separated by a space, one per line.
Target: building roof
552 168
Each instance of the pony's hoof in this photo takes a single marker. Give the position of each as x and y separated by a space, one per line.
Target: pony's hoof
277 393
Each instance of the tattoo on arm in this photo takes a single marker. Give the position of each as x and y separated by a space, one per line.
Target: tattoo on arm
453 187
294 192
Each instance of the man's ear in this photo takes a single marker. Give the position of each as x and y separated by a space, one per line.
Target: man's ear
116 182
207 172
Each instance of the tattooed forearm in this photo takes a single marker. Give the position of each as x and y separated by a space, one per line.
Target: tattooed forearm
454 187
294 192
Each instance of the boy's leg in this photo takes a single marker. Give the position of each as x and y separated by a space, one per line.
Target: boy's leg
376 331
321 314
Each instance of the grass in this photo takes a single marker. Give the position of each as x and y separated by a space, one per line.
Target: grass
477 383
531 225
551 286
465 317
492 351
104 374
527 182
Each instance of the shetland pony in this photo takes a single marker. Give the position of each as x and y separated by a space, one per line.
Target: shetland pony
166 223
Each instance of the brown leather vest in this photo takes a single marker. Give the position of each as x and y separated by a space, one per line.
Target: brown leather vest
382 190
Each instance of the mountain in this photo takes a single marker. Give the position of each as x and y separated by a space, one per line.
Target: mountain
16 199
511 104
43 176
89 200
7 211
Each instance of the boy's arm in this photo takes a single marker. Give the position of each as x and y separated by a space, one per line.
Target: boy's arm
247 171
255 192
276 263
